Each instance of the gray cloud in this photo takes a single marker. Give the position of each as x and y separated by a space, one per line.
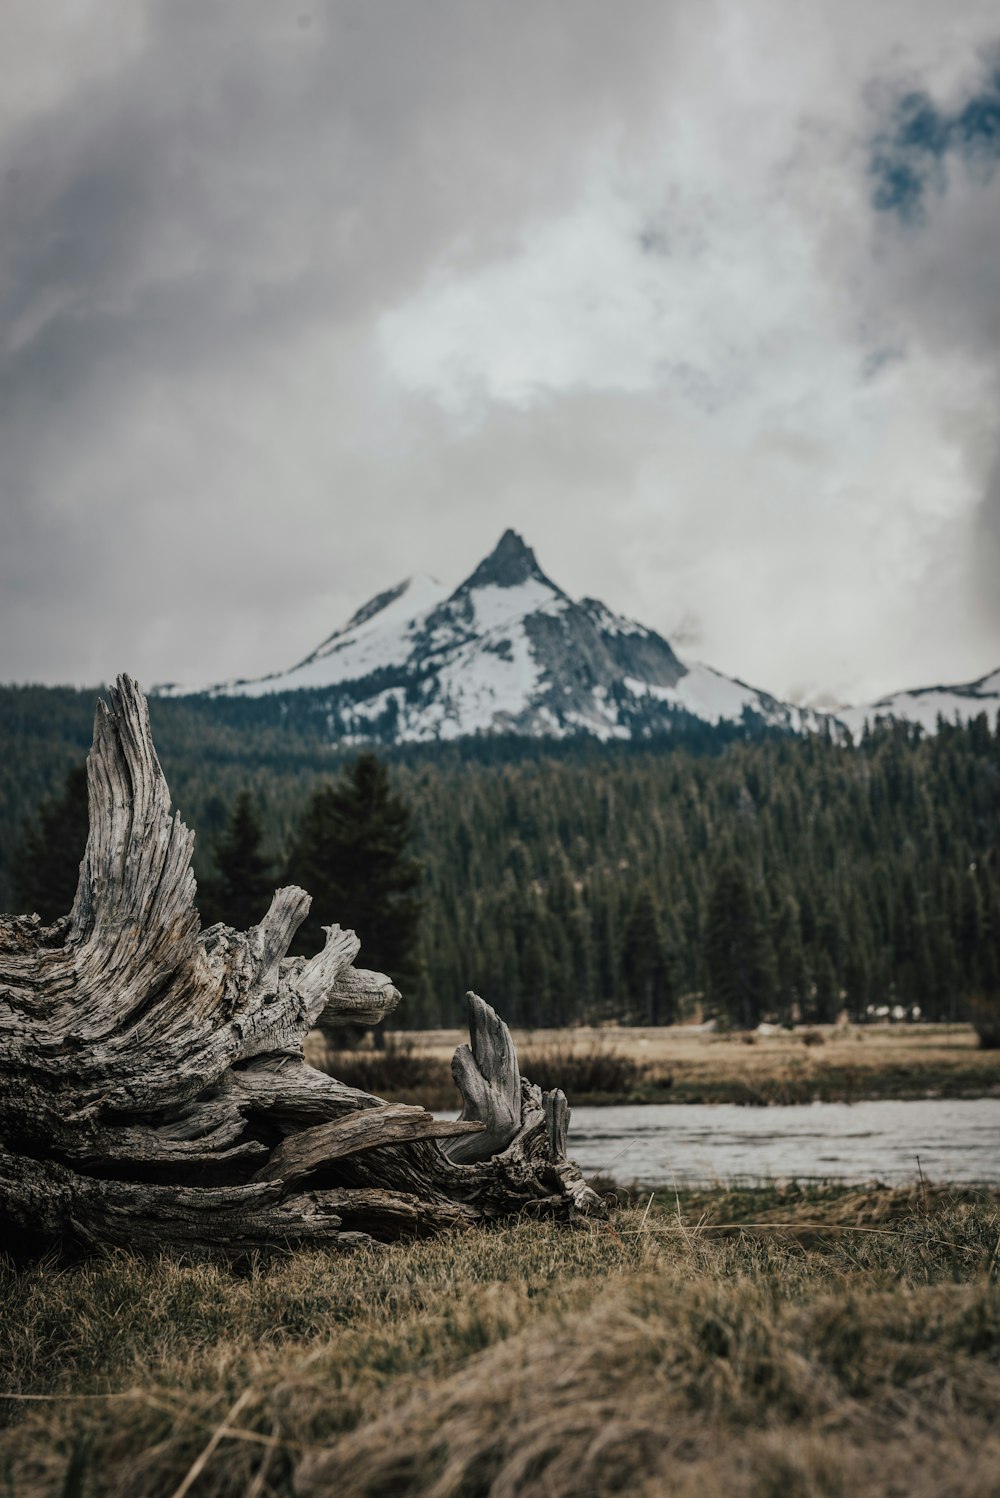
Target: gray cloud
288 310
936 169
240 195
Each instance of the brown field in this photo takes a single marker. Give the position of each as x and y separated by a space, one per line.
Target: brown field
779 1343
682 1064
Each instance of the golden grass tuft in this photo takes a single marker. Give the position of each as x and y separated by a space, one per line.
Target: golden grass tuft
706 1344
728 1391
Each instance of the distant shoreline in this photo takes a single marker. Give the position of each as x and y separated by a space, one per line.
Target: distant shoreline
682 1064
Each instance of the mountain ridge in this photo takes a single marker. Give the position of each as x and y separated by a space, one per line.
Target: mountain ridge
507 651
925 705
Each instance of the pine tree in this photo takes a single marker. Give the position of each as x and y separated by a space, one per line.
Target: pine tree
242 892
644 962
47 859
790 963
738 952
826 999
351 852
535 975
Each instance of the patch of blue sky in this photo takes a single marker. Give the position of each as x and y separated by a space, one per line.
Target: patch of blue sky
911 155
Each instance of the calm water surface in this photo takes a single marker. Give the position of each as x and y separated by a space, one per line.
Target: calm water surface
659 1144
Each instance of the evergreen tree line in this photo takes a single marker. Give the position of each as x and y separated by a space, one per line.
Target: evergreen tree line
778 878
784 877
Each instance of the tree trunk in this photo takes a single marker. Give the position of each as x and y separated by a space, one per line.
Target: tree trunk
153 1089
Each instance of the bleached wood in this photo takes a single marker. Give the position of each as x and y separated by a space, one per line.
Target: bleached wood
486 1074
357 997
153 1089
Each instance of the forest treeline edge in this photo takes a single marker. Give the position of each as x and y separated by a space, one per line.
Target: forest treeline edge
769 874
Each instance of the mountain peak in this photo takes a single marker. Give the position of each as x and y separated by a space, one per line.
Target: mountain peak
507 652
510 563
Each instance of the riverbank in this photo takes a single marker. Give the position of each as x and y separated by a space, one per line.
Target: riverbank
681 1064
818 1340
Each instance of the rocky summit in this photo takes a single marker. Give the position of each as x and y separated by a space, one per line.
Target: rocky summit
508 652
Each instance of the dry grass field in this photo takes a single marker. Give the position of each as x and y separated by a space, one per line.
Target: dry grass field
780 1342
683 1064
752 1344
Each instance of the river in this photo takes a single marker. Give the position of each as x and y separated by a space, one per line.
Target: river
696 1144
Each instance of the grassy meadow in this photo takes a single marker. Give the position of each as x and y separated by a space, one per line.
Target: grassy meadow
682 1064
778 1342
771 1342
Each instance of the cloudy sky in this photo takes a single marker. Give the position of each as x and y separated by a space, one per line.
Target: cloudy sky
702 296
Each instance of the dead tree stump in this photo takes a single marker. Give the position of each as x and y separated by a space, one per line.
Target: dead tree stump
153 1090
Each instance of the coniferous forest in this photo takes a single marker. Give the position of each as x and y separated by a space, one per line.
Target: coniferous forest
750 876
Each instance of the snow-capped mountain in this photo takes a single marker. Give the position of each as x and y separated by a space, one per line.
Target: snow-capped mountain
508 652
924 705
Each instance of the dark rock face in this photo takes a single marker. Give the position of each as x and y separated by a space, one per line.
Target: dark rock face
585 660
376 605
511 562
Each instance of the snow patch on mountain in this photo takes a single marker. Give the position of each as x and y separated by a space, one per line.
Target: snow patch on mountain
496 607
925 705
488 689
378 637
715 698
703 692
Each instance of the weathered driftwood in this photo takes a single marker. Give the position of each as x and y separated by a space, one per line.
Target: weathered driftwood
489 1080
153 1089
